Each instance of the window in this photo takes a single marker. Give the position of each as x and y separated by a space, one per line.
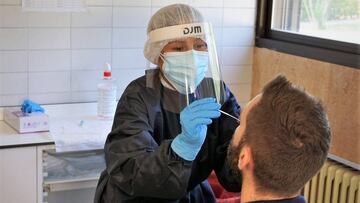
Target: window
327 30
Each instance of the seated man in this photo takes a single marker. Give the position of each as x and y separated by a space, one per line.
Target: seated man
282 142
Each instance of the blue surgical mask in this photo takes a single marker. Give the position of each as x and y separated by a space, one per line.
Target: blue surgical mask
185 70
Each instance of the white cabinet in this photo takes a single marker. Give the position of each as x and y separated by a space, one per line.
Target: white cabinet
18 175
38 174
31 171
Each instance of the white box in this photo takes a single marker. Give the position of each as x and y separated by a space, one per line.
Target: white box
26 122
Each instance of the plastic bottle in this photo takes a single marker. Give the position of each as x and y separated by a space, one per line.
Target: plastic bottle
107 94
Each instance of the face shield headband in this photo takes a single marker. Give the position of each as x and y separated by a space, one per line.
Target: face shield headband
196 30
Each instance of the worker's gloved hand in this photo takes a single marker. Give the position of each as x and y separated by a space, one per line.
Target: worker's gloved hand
29 106
194 120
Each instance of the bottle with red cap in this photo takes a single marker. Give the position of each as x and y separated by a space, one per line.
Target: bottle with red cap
107 94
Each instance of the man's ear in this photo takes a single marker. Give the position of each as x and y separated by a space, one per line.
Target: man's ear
245 158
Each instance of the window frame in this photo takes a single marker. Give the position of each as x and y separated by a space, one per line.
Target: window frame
332 51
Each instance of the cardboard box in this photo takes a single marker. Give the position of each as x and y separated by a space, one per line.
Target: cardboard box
26 122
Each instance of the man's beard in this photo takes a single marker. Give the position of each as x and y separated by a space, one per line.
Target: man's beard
233 154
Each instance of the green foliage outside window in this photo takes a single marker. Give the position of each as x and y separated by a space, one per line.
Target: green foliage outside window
321 11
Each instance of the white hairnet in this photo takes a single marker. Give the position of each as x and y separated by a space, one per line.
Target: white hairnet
176 14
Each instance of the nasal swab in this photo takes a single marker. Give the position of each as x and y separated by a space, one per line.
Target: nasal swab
223 112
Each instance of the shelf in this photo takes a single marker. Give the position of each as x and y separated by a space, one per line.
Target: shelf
71 170
73 184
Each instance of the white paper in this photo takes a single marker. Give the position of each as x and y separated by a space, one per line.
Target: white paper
54 5
76 134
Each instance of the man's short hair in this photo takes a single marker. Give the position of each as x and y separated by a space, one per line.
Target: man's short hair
289 136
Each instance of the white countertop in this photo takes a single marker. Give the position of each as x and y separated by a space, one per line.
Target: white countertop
10 138
65 120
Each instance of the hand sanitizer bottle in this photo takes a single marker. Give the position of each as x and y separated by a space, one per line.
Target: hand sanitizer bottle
107 94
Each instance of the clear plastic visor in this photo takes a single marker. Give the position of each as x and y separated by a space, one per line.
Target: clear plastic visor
188 64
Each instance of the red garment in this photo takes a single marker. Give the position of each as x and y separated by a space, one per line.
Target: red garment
222 196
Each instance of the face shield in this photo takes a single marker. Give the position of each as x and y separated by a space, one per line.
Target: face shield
188 63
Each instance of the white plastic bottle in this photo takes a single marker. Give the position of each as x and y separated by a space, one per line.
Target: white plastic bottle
107 94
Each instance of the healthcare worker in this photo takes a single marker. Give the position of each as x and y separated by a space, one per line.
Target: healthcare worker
168 133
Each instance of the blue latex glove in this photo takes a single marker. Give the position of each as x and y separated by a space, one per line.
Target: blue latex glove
194 120
29 106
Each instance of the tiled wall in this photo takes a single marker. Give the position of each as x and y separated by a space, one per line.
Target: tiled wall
58 57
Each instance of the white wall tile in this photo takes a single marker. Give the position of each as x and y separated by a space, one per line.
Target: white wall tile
12 39
12 99
129 37
131 17
234 56
84 96
119 93
125 76
167 2
13 83
91 38
11 16
218 33
13 61
93 17
206 3
128 58
83 42
238 36
141 3
49 19
49 60
51 98
240 3
213 15
85 80
10 2
99 2
90 59
154 9
219 55
47 82
239 17
54 38
236 74
241 92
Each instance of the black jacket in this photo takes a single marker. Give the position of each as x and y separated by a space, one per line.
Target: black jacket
140 164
